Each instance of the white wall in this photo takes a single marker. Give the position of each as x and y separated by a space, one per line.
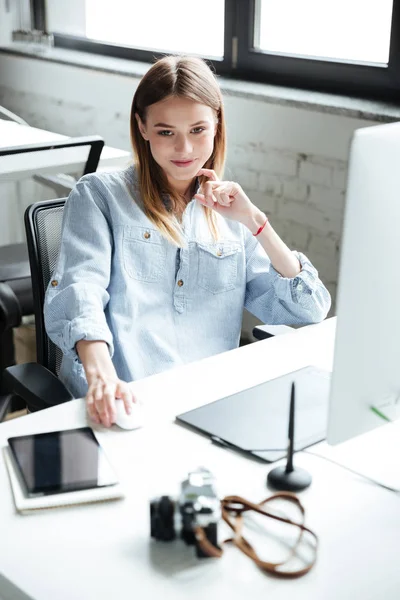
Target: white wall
291 161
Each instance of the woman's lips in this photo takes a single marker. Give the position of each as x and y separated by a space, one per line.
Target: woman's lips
183 163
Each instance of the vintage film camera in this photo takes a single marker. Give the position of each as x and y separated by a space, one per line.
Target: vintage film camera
197 506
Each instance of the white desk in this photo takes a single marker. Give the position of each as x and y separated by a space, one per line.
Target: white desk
14 168
105 551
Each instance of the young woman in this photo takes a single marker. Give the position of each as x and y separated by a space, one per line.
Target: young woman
158 261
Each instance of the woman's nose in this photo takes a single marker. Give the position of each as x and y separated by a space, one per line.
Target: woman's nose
183 144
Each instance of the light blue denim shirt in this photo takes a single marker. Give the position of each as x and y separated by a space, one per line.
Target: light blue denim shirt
157 306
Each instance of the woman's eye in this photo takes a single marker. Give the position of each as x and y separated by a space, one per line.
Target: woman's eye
165 132
198 129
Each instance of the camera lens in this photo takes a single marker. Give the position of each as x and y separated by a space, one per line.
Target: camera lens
162 519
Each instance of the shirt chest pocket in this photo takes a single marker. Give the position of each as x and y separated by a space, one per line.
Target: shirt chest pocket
218 266
144 253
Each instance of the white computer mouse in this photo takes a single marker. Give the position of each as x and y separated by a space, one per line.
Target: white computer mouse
125 421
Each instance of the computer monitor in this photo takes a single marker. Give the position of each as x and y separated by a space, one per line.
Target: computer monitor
366 369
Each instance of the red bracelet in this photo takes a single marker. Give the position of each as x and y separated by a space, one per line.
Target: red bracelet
262 227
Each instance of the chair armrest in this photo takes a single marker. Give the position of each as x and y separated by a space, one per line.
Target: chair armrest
36 385
262 332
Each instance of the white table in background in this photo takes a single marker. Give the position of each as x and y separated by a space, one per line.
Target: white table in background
104 551
17 167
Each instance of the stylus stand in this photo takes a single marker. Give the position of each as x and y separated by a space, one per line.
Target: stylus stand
289 481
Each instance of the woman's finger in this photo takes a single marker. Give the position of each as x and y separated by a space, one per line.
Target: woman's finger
91 401
208 173
98 390
102 411
202 199
90 398
226 199
218 199
205 201
109 404
91 407
111 409
217 191
209 194
126 395
211 204
101 406
98 400
221 187
221 193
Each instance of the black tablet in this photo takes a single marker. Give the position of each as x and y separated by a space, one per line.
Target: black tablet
255 420
61 461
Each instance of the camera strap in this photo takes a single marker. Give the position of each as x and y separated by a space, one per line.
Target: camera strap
233 508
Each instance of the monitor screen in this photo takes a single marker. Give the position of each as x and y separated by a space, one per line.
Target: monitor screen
366 362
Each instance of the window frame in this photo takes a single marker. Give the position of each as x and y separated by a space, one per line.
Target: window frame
344 77
242 61
71 42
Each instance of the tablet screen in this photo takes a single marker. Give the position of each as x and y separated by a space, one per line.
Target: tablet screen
61 461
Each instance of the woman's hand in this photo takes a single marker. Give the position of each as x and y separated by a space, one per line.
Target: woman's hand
102 393
229 200
104 384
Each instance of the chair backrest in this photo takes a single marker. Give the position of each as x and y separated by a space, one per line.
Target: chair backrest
43 225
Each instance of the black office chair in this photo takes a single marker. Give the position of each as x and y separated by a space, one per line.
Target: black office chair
37 384
16 298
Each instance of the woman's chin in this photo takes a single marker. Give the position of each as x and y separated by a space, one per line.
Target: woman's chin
183 174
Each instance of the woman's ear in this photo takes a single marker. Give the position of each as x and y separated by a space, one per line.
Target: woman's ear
142 127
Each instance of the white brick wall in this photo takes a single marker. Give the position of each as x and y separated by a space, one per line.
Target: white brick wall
270 185
294 189
313 173
247 179
339 177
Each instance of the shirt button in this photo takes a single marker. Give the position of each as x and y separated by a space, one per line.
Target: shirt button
146 235
219 253
54 283
300 287
180 283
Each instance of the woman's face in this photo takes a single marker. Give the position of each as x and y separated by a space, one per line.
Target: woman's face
181 137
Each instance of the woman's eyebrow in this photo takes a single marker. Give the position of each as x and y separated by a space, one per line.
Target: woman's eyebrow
173 127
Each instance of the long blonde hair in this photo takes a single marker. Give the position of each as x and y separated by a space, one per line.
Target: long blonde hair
183 77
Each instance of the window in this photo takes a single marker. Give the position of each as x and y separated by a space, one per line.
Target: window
161 25
352 30
345 46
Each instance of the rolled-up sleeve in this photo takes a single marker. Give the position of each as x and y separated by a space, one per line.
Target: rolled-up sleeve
278 300
77 293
